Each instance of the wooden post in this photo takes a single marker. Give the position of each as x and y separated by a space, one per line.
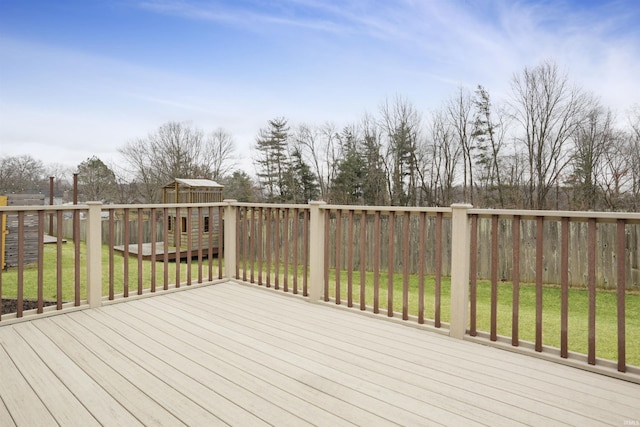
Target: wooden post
459 270
94 254
316 251
229 238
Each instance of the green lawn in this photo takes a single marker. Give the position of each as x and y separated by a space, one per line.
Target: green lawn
10 277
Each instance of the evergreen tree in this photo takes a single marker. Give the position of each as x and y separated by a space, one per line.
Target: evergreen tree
348 185
301 183
272 161
96 181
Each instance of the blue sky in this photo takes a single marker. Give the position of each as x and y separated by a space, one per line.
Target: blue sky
81 78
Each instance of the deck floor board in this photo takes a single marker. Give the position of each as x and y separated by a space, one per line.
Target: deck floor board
232 354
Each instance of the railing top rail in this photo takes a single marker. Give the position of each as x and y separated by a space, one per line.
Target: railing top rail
271 205
386 209
632 217
44 208
166 205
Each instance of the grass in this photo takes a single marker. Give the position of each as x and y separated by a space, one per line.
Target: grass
49 278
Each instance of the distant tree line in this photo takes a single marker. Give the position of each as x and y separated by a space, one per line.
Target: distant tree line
548 145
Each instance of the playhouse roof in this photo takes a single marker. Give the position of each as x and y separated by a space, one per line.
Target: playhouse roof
194 183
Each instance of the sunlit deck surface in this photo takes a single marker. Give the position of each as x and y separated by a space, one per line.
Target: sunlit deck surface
238 355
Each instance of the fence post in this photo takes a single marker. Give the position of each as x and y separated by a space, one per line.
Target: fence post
316 251
230 238
459 270
94 254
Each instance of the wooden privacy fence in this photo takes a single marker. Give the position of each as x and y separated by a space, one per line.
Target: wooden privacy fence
67 230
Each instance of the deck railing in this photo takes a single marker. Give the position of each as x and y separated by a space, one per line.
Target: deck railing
458 271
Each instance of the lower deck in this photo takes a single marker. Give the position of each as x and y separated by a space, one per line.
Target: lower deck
231 354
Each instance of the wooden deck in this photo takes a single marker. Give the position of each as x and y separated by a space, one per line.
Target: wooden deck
237 355
171 251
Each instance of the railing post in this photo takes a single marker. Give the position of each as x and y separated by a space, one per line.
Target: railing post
94 254
316 251
459 270
230 238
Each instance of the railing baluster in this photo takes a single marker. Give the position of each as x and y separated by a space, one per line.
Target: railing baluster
252 244
165 213
221 251
238 232
564 285
591 283
473 279
515 279
140 254
189 243
390 261
111 253
621 288
154 240
268 248
376 263
285 251
212 230
40 260
276 250
59 260
305 261
421 254
338 240
296 220
20 264
405 266
76 257
243 231
260 244
350 260
438 278
539 266
326 255
494 278
178 238
363 258
199 244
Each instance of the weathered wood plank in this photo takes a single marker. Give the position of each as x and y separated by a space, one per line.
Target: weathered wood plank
204 386
163 394
263 373
62 356
259 383
544 384
5 416
21 401
384 401
59 401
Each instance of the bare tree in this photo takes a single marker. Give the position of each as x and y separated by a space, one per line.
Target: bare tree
20 174
444 155
176 150
400 122
459 110
549 110
592 139
490 129
320 147
218 152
